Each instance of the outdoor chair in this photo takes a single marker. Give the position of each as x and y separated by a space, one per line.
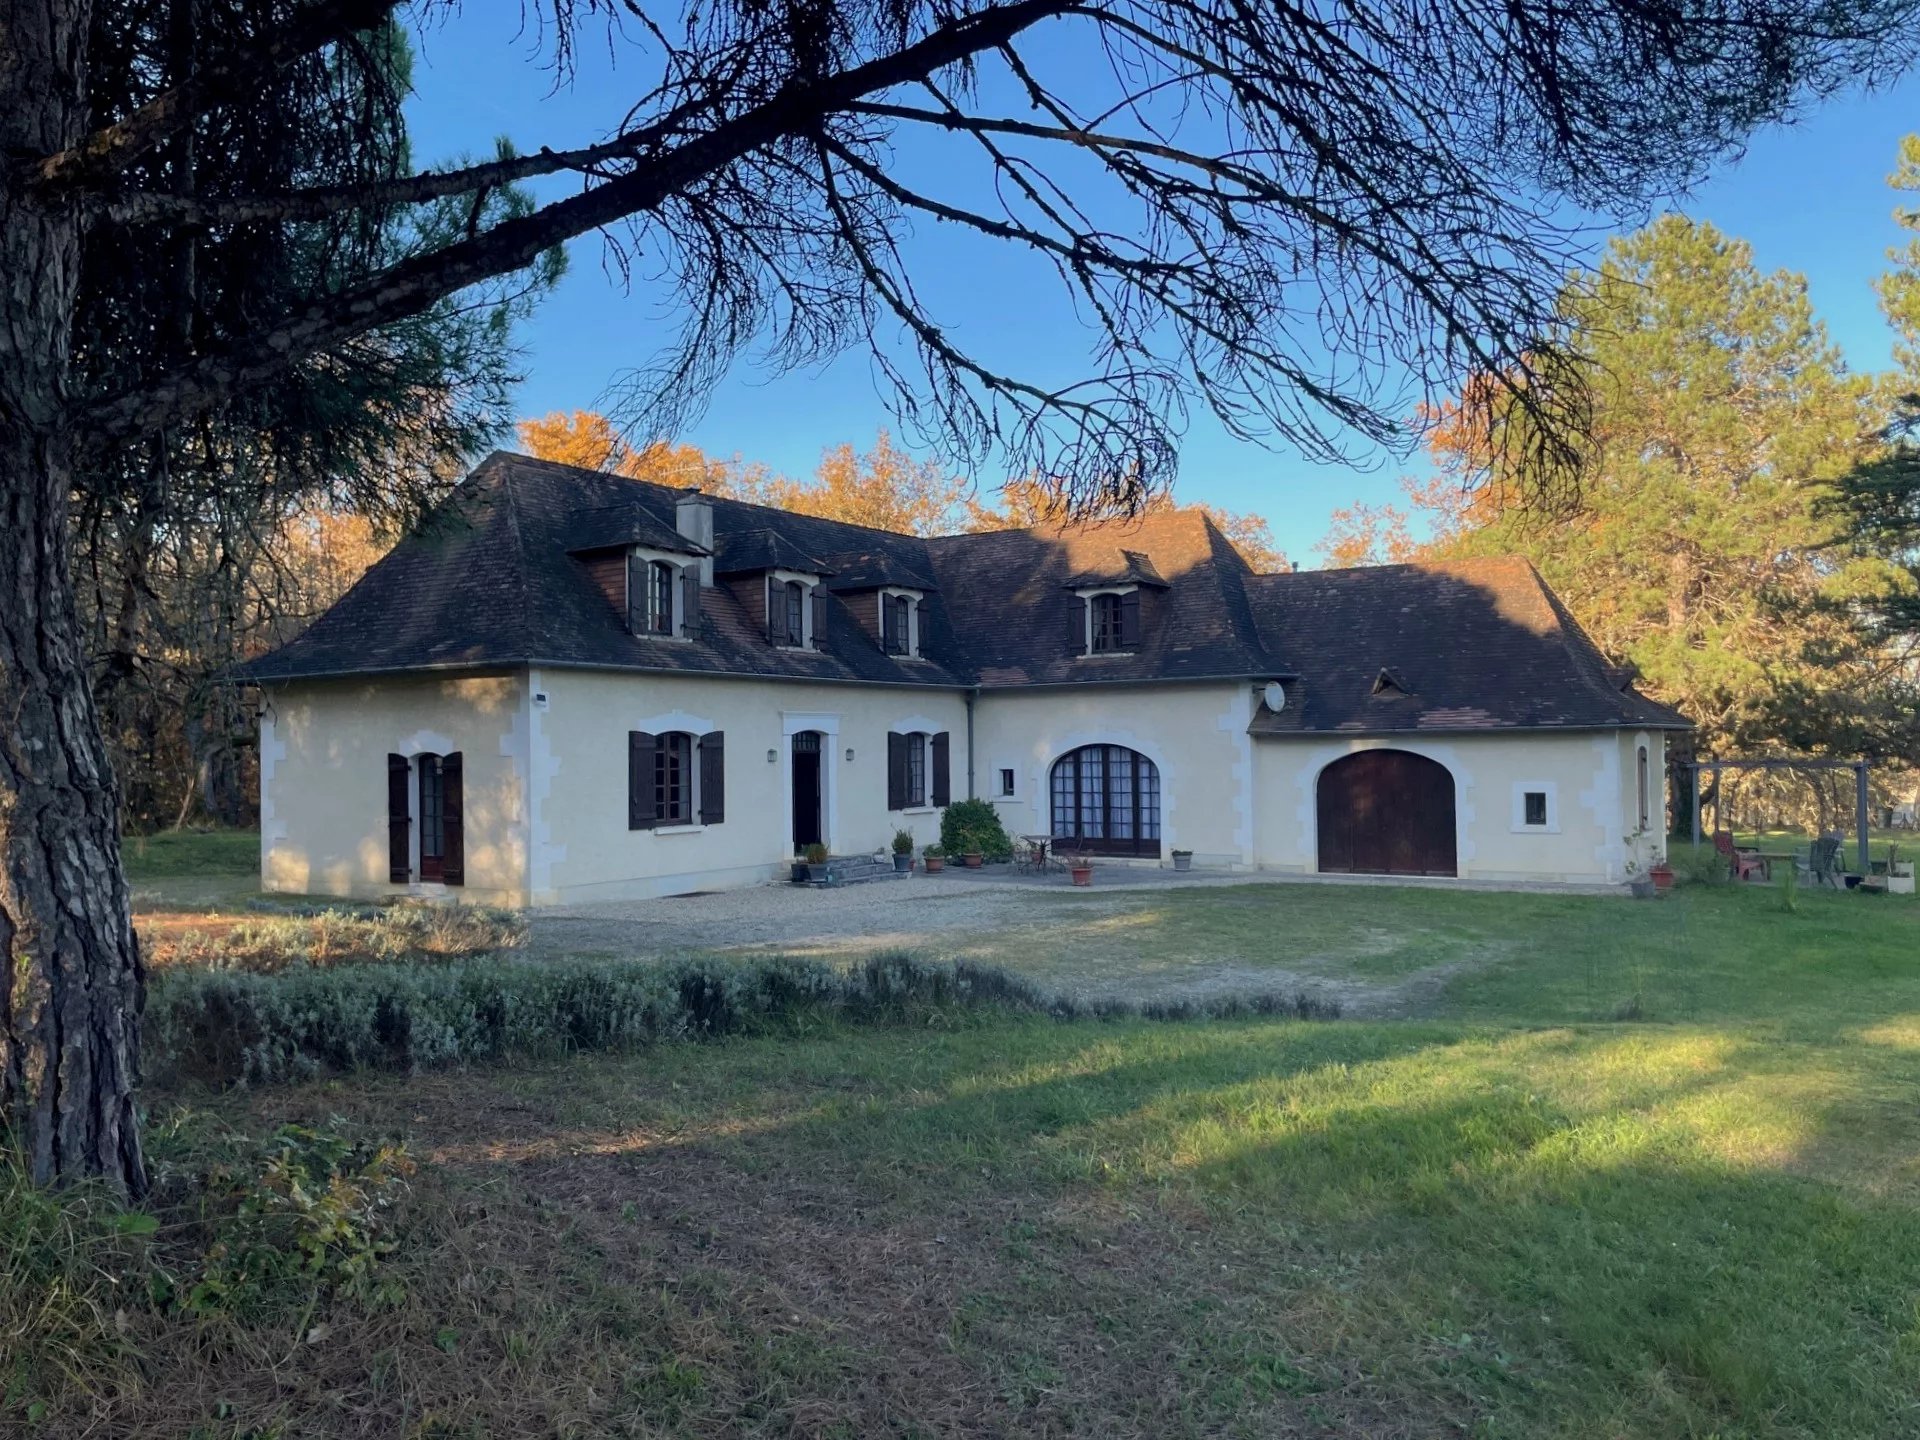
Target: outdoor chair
1823 862
1742 864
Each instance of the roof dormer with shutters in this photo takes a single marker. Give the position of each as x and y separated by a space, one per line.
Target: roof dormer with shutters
1108 610
887 594
650 575
779 585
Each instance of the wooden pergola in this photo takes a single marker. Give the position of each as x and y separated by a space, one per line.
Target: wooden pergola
1859 768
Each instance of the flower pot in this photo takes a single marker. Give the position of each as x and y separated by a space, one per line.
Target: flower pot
935 864
1183 860
799 875
902 864
1662 877
974 859
1642 887
1083 874
822 874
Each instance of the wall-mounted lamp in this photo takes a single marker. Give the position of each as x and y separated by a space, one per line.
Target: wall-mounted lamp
849 754
773 756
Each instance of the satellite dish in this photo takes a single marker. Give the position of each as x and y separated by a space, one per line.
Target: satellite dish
1276 696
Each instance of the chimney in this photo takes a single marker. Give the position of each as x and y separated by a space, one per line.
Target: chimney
693 518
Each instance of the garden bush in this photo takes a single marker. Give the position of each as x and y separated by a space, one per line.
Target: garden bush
339 935
222 1026
968 825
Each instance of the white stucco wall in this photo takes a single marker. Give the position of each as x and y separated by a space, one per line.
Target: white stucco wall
587 851
545 756
1588 776
323 781
1196 735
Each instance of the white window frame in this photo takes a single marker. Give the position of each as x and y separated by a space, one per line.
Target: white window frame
677 623
913 599
1521 789
1086 640
807 584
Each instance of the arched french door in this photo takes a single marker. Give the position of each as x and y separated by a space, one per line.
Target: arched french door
1106 801
1387 812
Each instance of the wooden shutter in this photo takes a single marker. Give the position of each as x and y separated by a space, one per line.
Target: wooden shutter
819 617
942 769
453 840
399 821
640 750
713 778
636 594
1130 620
1076 624
896 771
690 599
776 612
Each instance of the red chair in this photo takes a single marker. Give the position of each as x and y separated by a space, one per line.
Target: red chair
1741 864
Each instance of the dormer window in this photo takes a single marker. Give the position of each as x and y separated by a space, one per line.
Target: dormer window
663 596
660 588
795 617
900 622
1105 621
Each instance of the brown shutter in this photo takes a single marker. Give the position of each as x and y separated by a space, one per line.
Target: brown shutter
896 771
453 842
713 778
942 769
640 748
819 617
776 612
399 821
1130 620
636 594
690 599
1076 625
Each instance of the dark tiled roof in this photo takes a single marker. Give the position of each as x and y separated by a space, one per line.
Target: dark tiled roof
493 580
1134 569
629 522
1463 645
742 552
874 567
1013 625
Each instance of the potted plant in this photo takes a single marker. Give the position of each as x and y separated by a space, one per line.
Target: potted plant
1899 875
972 830
973 859
902 851
936 859
819 869
1082 870
1183 859
1661 874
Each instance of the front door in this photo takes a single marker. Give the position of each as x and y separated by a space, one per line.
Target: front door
807 827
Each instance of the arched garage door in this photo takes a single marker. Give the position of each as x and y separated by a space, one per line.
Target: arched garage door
1386 812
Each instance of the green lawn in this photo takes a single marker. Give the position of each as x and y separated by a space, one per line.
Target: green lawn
1514 1217
196 854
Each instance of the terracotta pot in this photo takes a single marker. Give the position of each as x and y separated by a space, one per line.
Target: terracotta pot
1662 877
974 859
935 864
1083 874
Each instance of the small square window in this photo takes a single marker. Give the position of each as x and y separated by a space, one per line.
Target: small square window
1006 782
1535 807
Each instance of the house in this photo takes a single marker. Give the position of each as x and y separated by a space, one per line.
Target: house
569 686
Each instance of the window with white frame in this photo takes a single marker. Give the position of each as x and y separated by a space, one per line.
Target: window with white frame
1105 621
900 622
662 602
1536 807
1006 781
794 615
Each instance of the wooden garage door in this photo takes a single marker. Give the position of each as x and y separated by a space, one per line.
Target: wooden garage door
1386 812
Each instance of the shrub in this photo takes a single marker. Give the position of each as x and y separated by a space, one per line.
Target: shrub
1698 865
345 936
903 842
222 1027
969 825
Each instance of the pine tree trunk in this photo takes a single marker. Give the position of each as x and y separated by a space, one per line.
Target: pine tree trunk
73 984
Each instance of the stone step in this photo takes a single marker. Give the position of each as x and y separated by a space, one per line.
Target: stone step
858 869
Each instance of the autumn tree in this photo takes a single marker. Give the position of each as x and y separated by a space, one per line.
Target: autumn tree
1278 214
1025 502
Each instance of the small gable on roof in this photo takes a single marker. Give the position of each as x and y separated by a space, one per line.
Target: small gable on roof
743 552
1389 684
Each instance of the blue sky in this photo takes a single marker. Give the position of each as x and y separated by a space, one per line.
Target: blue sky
1810 197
